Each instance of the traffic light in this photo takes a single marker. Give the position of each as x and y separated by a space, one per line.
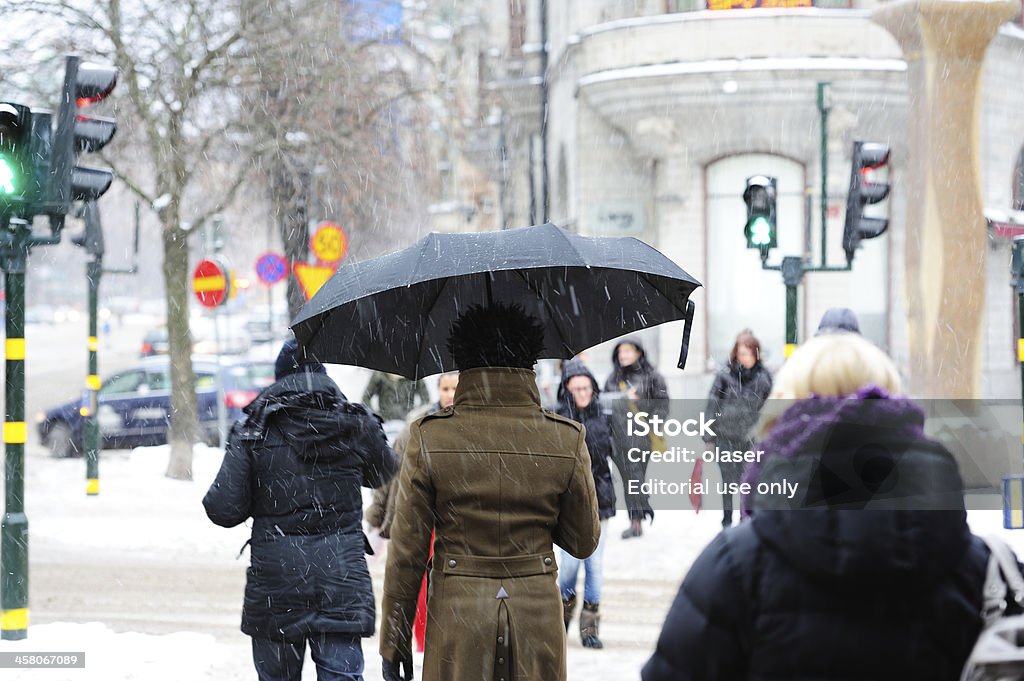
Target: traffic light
760 230
16 185
91 237
84 85
869 158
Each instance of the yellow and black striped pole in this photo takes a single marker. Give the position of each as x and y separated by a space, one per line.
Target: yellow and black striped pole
14 528
92 383
1013 485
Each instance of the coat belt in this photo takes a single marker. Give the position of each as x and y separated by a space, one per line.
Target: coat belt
497 567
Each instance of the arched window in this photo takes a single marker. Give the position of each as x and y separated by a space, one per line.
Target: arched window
740 294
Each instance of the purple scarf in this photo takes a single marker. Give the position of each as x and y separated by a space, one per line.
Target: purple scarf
807 421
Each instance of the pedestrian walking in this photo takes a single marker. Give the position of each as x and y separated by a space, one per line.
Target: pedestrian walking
737 394
578 400
295 465
642 389
837 320
381 513
396 396
499 480
868 572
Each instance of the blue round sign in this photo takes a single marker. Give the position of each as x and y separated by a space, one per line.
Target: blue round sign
271 268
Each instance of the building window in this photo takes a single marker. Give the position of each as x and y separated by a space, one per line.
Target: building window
516 26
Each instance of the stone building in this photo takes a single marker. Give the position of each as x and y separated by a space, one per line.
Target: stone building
658 110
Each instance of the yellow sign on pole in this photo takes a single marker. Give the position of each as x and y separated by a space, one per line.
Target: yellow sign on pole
329 242
312 277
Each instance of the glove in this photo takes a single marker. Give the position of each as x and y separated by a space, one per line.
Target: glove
391 669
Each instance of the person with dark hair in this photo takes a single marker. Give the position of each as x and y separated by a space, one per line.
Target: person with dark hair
295 464
499 480
739 391
396 395
578 400
838 319
642 389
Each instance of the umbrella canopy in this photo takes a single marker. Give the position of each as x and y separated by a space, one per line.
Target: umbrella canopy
394 313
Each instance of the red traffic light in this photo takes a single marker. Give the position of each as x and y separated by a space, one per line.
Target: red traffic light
94 83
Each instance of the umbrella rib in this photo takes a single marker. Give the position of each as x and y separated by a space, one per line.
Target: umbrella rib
547 305
423 330
646 277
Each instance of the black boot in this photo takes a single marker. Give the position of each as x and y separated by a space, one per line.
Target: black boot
568 605
634 530
589 624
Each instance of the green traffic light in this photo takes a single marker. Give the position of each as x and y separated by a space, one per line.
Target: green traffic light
7 177
761 232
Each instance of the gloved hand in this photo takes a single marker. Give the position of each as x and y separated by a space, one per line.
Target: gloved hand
391 669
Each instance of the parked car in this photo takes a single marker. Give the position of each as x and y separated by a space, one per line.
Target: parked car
155 342
232 341
135 404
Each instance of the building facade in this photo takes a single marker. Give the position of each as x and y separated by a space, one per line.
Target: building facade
652 115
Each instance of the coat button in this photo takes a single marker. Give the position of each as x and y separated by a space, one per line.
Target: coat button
501 660
547 561
452 563
501 639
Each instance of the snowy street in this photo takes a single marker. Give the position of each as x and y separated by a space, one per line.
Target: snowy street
142 582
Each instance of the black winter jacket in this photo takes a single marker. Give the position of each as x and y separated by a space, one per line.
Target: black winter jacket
735 402
295 465
826 592
598 437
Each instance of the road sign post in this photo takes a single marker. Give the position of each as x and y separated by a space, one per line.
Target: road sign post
211 281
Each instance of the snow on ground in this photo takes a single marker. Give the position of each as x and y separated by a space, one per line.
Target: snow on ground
148 522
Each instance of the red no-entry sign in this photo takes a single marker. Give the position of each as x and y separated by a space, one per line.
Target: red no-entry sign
211 282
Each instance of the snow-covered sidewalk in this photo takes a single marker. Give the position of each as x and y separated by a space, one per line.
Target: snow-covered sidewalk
147 526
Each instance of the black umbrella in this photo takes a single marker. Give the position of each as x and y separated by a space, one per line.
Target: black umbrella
393 313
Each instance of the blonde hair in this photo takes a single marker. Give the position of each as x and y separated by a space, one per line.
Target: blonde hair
831 365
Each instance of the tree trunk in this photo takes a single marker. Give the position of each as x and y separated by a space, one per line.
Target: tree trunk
183 426
290 199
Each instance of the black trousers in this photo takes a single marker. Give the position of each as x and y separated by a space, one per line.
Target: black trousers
338 657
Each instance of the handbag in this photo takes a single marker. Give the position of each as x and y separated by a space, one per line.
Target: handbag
998 654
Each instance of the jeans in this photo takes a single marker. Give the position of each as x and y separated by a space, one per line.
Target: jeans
338 657
593 572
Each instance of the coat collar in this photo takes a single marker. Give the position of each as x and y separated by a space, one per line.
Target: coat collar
497 387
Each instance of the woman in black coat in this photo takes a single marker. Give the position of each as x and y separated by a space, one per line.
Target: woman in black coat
735 402
295 465
867 571
641 388
578 400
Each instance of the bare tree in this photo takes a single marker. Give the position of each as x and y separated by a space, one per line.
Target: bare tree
216 95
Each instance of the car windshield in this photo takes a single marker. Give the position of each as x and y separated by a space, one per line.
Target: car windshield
252 376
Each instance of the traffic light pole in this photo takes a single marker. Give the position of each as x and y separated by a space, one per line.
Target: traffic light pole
824 106
94 270
14 527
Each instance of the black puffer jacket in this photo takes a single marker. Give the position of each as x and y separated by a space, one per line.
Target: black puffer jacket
736 397
649 384
296 465
827 593
599 434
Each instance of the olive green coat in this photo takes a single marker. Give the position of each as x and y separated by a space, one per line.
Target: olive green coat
501 480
